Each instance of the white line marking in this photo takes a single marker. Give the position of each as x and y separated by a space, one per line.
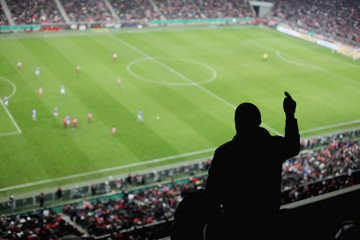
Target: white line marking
306 63
279 55
12 84
185 78
9 133
212 70
7 111
330 126
106 169
11 117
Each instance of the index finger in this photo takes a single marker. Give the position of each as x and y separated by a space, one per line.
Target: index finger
287 95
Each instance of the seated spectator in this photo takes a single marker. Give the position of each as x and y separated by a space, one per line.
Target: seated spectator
34 12
87 11
335 18
135 10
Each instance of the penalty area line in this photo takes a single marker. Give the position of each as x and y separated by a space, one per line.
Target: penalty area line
13 121
104 170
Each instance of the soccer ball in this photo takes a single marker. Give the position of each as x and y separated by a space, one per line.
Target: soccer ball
157 118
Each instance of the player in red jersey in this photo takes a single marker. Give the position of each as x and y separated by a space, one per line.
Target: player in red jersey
90 117
74 121
19 65
40 91
114 56
65 122
119 81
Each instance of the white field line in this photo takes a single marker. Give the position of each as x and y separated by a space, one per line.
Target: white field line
104 170
12 119
7 111
330 126
184 77
303 62
310 65
278 54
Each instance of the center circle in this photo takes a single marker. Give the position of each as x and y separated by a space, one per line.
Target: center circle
8 87
182 72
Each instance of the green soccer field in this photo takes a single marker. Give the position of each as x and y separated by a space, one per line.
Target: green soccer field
187 83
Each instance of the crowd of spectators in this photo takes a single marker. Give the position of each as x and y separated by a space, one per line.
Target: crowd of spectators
3 19
135 10
34 11
301 192
87 11
184 9
339 18
44 225
340 157
224 8
326 164
134 209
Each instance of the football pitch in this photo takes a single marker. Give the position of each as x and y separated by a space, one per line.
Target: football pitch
186 82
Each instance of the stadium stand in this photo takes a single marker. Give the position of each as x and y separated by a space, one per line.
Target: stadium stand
131 207
130 10
140 206
87 11
45 224
34 11
3 19
339 19
224 9
335 19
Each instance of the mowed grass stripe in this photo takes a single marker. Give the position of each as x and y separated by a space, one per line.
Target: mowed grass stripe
315 87
44 137
148 135
179 100
207 122
111 111
25 150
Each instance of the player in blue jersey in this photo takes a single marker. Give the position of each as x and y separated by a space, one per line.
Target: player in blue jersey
6 101
33 114
56 112
37 71
140 116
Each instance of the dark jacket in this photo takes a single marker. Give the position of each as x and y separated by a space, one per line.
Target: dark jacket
245 173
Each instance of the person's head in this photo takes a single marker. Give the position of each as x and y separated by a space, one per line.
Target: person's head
247 117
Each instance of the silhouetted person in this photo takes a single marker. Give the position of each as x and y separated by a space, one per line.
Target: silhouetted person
245 174
59 193
41 199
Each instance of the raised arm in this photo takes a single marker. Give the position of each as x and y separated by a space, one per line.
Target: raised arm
292 136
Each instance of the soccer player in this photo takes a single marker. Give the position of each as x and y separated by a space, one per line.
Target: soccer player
62 90
56 112
6 101
33 114
37 71
114 56
40 91
119 81
90 117
65 122
140 116
113 130
74 122
19 65
265 57
77 68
